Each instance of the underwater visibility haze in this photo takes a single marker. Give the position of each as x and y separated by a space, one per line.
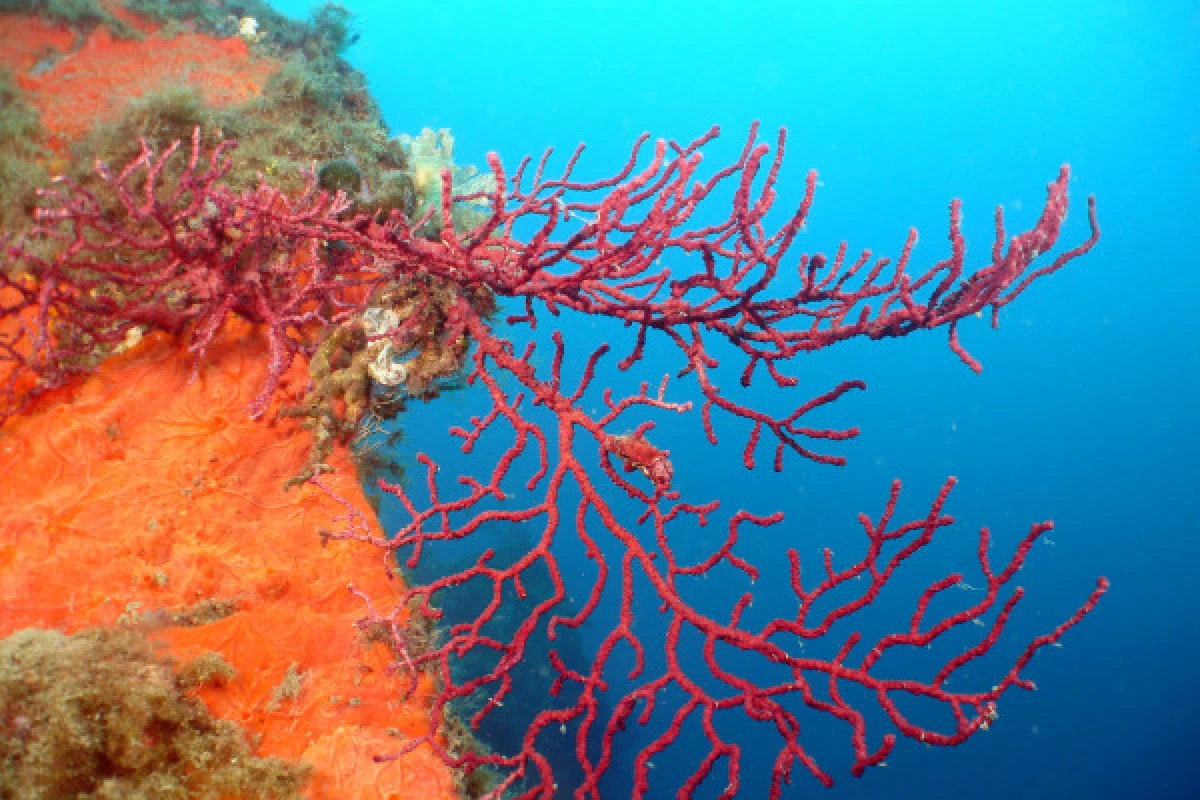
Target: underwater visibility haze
1085 411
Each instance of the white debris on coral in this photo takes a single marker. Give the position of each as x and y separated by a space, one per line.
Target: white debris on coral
248 29
384 367
379 321
133 338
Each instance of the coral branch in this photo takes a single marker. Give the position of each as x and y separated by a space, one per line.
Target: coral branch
355 295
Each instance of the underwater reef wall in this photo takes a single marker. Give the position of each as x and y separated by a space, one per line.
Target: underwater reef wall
143 499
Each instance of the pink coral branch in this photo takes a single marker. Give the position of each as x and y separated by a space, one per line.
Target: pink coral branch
632 248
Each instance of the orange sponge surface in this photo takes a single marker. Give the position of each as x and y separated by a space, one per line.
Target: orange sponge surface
76 84
143 492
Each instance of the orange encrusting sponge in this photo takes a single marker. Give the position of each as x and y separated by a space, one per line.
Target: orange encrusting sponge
139 491
94 83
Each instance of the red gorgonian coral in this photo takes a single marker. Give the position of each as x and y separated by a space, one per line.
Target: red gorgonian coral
631 248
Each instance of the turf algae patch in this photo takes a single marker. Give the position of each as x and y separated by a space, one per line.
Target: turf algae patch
102 714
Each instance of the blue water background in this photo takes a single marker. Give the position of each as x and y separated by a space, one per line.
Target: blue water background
1086 410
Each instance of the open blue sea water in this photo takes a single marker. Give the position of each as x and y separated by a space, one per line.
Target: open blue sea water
1086 411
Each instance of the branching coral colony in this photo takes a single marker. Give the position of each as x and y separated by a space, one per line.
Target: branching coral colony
382 306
